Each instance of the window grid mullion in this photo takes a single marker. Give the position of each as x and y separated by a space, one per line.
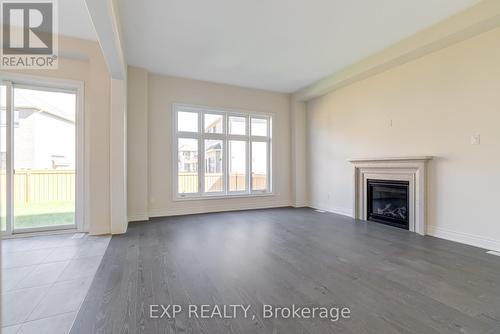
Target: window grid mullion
269 155
226 156
237 137
250 164
247 169
201 154
259 138
225 137
268 167
214 136
192 135
249 154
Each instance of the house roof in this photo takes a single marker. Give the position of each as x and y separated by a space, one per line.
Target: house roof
38 103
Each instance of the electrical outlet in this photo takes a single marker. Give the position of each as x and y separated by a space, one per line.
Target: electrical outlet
475 139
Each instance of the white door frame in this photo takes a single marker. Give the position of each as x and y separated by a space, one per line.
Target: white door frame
15 80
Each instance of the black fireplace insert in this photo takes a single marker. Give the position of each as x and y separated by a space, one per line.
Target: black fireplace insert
388 202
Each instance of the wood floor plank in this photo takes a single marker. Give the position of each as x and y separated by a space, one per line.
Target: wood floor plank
393 281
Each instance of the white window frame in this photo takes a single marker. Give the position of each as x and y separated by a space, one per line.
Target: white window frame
15 80
201 136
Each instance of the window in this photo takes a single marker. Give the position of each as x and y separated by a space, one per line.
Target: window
187 121
221 153
259 127
214 123
237 165
188 165
259 165
214 166
237 125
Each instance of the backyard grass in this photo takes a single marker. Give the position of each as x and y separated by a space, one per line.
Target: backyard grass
42 214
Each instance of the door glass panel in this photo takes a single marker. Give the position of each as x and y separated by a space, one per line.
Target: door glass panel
44 158
3 158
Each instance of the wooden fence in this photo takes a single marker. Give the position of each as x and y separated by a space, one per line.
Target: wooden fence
48 185
188 182
42 185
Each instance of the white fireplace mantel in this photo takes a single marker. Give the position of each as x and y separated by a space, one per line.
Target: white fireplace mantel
411 169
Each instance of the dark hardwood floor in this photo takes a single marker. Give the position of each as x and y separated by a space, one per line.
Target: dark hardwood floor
393 281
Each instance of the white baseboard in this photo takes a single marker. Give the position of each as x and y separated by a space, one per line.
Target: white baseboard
465 238
338 210
213 208
137 217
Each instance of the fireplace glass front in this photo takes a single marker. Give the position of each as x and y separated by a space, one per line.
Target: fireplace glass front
388 202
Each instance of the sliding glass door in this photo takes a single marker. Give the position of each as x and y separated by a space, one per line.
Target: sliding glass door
38 176
3 158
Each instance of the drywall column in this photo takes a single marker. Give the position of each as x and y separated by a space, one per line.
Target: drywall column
104 15
138 143
298 156
97 155
118 148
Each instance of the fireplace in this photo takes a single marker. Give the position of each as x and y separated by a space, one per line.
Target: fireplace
388 202
412 170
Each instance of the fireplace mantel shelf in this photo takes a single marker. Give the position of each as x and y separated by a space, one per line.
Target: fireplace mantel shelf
415 158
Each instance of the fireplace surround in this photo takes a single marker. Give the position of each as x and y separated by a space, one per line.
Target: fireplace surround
410 170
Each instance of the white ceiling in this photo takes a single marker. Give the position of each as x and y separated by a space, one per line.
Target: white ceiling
74 19
279 45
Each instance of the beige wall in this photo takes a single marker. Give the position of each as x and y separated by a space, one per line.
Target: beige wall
435 103
137 145
118 156
93 72
298 155
163 91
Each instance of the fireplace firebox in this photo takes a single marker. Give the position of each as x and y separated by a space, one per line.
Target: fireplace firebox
388 202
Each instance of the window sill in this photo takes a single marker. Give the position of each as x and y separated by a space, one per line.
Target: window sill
205 197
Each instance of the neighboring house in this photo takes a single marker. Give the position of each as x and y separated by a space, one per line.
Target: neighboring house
188 158
215 126
213 153
44 137
213 158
